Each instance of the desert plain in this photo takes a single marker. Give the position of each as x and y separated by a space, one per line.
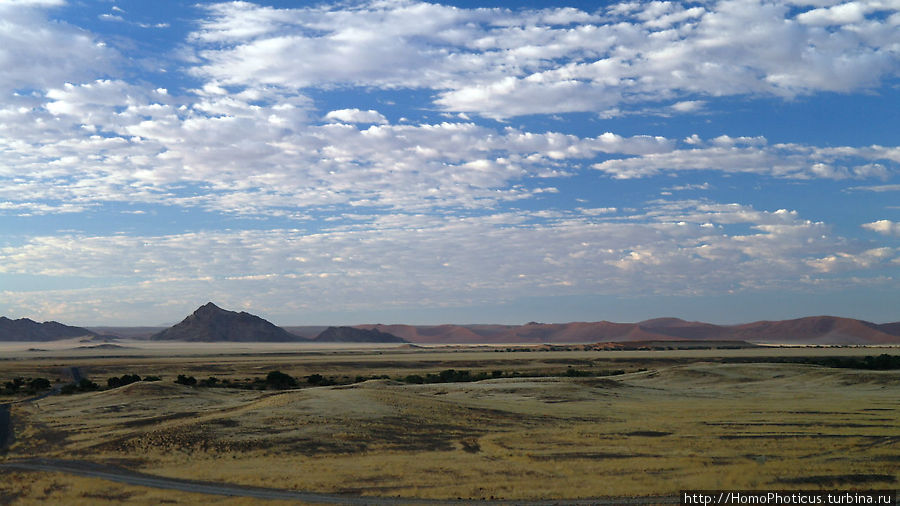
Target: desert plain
548 424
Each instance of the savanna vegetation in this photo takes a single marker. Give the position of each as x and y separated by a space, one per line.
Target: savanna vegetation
472 424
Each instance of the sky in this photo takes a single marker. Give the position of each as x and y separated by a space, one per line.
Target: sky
395 161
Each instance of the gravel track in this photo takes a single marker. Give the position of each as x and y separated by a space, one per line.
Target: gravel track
122 475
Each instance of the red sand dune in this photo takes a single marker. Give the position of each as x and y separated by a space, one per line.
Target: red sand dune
810 330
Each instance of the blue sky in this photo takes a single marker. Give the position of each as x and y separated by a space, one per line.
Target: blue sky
400 161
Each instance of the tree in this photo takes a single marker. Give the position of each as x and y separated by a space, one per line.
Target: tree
280 380
186 380
38 384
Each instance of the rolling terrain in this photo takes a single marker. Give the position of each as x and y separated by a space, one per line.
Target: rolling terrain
671 421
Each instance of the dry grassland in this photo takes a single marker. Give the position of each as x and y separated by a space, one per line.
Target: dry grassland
682 423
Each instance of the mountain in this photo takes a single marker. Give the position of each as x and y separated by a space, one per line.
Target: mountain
210 323
356 335
24 329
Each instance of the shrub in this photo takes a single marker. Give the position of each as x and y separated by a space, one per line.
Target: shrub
186 380
126 379
280 380
38 384
86 385
209 382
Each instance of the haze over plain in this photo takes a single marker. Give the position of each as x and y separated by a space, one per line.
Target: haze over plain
399 161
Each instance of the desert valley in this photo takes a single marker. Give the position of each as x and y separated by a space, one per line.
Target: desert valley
227 408
508 252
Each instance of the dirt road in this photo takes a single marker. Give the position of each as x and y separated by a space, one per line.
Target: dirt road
121 475
6 429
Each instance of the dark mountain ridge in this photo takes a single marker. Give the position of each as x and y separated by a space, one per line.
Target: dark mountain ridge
356 335
210 323
24 329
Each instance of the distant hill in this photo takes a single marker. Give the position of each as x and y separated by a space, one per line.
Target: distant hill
576 332
689 344
816 330
24 329
128 332
305 331
210 323
810 330
890 328
356 335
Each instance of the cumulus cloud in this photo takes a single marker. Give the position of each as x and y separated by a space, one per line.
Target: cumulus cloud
35 53
248 140
258 152
849 261
755 155
885 227
253 137
261 151
502 63
357 116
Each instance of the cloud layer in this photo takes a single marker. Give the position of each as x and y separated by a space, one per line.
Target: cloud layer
673 247
503 63
445 156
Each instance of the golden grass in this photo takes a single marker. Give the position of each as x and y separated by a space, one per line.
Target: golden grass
675 426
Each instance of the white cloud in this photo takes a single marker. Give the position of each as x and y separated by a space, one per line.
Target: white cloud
689 105
357 116
257 152
885 227
247 142
850 12
35 53
848 261
755 155
501 63
877 188
39 208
